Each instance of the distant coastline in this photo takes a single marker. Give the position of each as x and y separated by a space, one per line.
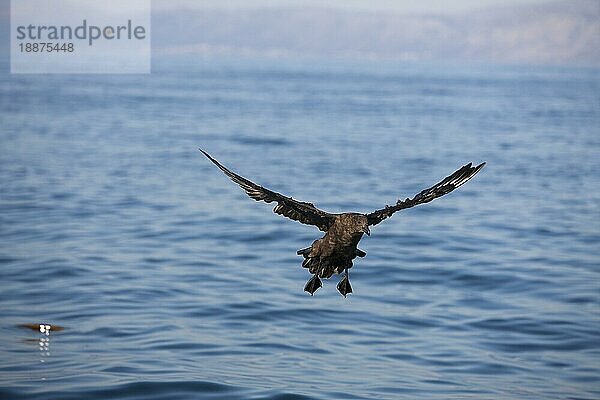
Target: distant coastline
554 33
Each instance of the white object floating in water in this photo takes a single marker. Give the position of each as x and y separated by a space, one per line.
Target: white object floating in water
44 328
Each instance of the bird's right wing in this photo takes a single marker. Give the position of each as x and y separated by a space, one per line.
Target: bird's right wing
455 180
300 211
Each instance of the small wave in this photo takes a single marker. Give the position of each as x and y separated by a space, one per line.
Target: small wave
170 390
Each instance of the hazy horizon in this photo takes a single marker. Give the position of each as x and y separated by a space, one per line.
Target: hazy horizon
409 6
538 33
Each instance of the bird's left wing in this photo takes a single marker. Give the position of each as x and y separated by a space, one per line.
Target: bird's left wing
455 180
300 211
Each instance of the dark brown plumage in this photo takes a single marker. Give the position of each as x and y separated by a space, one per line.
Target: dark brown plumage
334 252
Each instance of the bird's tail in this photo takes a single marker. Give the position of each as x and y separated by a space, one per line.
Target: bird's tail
316 265
312 263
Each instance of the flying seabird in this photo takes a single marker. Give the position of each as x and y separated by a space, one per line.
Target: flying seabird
334 252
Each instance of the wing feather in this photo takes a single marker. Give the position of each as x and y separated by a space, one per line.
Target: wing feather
447 185
300 211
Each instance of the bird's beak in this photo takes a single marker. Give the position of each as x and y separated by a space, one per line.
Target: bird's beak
367 231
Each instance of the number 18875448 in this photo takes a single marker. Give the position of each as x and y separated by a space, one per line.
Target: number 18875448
46 47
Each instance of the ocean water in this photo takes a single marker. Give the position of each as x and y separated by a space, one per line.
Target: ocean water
170 283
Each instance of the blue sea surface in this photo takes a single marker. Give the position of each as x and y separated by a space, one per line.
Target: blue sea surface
171 283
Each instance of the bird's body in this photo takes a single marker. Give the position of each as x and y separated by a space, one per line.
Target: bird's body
335 251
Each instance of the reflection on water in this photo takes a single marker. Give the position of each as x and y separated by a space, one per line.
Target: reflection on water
44 340
44 347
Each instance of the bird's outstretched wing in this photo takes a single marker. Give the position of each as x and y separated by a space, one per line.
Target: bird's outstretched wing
300 211
444 187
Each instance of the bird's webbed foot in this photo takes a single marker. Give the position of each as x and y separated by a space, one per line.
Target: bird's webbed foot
313 284
344 286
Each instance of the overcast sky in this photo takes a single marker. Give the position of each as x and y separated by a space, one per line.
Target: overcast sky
408 6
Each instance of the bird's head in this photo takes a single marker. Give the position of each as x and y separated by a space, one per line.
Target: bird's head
365 227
